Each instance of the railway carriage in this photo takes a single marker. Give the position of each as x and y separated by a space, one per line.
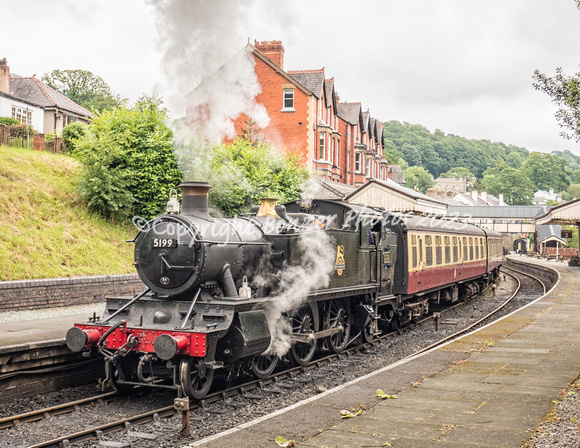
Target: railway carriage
212 282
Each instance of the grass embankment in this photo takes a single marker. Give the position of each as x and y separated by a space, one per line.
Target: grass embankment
45 230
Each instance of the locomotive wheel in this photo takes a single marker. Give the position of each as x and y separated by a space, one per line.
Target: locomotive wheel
196 377
368 330
338 315
263 365
302 322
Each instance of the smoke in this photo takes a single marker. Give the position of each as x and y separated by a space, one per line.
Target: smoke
207 64
295 283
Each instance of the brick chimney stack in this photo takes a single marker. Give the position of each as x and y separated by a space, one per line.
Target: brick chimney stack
273 50
4 77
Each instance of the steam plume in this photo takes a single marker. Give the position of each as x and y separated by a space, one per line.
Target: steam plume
205 60
296 282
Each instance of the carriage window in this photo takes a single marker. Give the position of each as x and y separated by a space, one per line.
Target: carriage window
465 249
455 250
447 251
477 252
428 254
470 248
428 240
438 251
413 251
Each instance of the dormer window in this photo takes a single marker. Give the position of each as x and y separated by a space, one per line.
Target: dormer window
288 100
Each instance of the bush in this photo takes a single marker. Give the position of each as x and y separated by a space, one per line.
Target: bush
21 131
129 163
72 133
8 121
243 172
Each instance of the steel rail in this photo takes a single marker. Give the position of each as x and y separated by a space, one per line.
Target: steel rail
64 408
257 384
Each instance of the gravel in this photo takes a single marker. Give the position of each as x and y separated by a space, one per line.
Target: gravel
562 425
238 410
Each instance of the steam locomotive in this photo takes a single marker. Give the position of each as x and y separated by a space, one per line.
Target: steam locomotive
214 287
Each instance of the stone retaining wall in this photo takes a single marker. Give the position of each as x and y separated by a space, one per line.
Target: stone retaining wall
51 293
544 273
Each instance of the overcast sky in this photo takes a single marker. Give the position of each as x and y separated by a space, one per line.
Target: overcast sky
462 66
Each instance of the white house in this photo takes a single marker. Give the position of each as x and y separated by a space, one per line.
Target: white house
32 102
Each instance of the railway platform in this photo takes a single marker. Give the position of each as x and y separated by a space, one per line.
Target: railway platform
488 389
29 332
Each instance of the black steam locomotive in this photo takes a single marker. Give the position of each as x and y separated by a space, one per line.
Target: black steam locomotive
231 292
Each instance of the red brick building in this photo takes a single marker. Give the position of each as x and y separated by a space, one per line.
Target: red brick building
337 141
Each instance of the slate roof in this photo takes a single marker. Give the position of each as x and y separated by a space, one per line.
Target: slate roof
549 231
334 191
36 92
350 112
330 99
313 80
366 116
505 212
490 200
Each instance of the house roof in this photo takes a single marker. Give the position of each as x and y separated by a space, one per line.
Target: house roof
249 48
13 98
313 80
36 92
490 199
351 112
334 191
330 96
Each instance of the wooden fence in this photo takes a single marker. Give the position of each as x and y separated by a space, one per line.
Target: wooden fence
9 137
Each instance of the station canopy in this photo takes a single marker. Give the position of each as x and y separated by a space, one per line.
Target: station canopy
564 214
389 195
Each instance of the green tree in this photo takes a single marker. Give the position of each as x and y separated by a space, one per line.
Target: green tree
565 93
129 163
516 188
418 178
84 88
573 192
242 173
547 171
515 159
438 152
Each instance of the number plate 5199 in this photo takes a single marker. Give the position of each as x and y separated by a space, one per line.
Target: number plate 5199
164 242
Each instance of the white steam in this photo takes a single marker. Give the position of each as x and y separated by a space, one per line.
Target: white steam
207 64
296 282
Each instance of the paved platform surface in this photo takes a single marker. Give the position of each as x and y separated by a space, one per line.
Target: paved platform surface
488 389
39 331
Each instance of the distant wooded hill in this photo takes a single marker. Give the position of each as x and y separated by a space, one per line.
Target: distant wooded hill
437 152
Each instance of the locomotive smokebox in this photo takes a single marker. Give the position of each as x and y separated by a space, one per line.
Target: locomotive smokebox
194 196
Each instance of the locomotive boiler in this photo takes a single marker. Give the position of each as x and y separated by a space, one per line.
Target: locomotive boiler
210 285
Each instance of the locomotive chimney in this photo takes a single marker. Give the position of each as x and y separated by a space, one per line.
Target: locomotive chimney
268 208
194 197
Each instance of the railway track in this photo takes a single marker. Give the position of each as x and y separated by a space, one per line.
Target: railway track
230 397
